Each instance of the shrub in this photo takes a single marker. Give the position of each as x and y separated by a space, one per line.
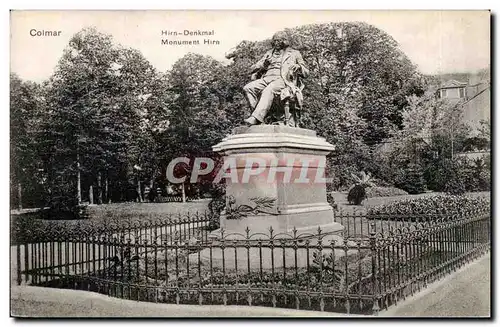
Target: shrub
459 176
411 179
465 175
216 205
456 185
481 175
358 192
356 195
437 173
380 191
432 205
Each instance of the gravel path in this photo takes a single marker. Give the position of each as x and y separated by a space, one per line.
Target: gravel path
28 301
463 294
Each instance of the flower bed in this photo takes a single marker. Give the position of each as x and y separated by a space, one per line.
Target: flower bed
380 191
432 205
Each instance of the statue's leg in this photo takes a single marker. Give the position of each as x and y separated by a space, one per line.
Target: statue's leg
291 121
294 113
295 118
252 91
287 112
266 99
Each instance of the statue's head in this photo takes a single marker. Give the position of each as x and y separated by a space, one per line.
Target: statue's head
280 40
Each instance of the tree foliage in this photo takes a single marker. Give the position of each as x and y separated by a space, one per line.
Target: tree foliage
101 110
26 115
432 138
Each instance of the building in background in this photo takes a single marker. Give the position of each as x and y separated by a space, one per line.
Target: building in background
473 96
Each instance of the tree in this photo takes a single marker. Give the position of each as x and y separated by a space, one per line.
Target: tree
80 91
100 101
348 63
433 132
359 64
199 111
142 97
26 110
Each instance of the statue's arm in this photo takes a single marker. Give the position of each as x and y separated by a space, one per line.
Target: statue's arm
304 71
260 65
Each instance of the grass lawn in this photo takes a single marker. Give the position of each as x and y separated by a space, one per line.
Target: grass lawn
134 210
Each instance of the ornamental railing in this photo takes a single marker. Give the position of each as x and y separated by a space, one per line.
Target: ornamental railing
373 264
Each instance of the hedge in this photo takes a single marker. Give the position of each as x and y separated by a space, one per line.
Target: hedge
433 205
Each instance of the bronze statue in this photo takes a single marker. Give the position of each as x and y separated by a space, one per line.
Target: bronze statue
278 72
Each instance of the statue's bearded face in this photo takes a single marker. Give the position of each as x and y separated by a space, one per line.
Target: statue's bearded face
278 42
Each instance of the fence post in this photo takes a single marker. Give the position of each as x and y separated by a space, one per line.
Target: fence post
19 277
373 248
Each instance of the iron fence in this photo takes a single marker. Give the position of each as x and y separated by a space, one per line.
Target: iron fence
371 265
31 230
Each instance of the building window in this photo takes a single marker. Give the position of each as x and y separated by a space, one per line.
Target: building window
461 92
443 93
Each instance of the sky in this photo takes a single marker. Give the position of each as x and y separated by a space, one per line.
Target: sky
436 41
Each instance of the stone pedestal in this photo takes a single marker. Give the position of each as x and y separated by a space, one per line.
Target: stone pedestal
283 167
298 188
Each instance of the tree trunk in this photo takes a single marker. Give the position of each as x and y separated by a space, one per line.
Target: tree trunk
78 178
139 196
99 188
151 184
106 190
20 196
91 194
183 193
452 147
